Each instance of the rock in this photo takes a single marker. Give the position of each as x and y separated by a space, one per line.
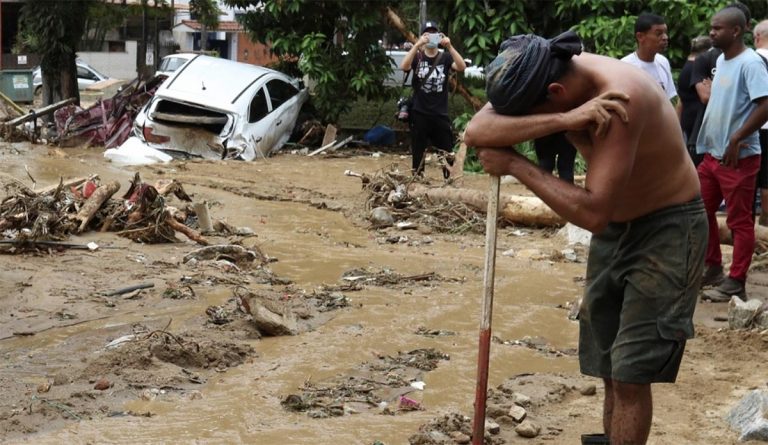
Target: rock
521 399
195 395
506 420
438 436
740 313
61 379
517 413
762 319
270 323
588 390
528 429
492 427
102 384
750 416
510 252
575 235
460 438
380 217
44 387
494 411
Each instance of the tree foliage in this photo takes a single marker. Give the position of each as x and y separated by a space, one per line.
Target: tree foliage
207 14
607 27
336 42
54 29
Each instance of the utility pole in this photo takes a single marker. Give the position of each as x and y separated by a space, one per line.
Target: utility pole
422 13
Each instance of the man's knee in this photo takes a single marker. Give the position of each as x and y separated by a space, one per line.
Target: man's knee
629 391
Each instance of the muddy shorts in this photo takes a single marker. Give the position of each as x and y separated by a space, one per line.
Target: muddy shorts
643 278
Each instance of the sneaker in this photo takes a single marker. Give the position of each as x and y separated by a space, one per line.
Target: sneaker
713 276
724 292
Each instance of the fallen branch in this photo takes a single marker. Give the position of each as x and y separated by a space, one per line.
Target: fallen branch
128 289
93 204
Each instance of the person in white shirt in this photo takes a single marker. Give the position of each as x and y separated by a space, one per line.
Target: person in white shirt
652 39
761 46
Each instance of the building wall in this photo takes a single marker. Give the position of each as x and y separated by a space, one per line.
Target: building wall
119 65
253 53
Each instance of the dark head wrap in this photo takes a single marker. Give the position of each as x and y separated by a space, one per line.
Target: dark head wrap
517 78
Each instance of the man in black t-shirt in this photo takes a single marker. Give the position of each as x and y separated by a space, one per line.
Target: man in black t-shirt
429 120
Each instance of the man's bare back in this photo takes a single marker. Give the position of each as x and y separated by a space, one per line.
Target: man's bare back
624 126
662 173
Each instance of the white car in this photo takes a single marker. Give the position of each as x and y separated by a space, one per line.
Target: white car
173 62
220 109
86 76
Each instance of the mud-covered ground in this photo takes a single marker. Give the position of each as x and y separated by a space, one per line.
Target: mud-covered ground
387 324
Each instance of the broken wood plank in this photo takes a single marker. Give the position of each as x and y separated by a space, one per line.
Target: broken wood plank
93 204
330 134
34 114
322 149
338 145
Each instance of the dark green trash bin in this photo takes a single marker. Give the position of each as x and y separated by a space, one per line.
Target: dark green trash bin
17 85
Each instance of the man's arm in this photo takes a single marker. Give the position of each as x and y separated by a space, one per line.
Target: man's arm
407 61
756 119
490 129
610 165
704 90
701 76
458 62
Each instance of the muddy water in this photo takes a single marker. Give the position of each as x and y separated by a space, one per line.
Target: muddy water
316 246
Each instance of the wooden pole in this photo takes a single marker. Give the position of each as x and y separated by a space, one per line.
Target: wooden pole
34 114
484 350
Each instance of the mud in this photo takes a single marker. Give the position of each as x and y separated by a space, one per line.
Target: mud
197 370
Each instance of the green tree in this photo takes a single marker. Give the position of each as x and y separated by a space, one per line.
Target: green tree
54 29
207 14
333 42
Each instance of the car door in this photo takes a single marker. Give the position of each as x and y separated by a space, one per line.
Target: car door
258 130
283 97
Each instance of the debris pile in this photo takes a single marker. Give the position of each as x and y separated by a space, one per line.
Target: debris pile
28 217
388 192
107 122
382 385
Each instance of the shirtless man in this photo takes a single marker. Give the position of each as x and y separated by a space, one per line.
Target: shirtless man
641 202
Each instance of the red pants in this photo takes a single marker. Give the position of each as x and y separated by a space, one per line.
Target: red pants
737 187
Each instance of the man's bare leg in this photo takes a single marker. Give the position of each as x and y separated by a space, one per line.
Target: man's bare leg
632 412
608 407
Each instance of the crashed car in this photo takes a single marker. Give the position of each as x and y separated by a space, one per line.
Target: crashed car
220 109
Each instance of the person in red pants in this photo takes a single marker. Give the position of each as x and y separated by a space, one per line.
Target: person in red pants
729 141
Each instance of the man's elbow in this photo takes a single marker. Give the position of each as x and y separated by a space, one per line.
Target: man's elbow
473 134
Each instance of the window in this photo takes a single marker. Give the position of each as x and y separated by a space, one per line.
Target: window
280 91
84 73
258 108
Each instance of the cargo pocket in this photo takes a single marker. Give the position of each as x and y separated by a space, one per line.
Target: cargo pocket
671 345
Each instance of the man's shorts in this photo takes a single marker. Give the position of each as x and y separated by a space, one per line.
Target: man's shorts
643 279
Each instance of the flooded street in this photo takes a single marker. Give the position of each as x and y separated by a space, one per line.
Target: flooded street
311 219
